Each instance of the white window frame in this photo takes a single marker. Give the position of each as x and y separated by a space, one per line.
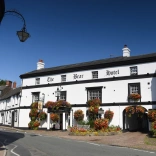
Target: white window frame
94 92
35 96
94 74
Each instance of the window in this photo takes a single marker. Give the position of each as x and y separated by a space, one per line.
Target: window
63 95
94 92
134 70
95 75
35 96
37 82
132 89
63 78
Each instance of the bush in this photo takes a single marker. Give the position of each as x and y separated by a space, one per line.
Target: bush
101 124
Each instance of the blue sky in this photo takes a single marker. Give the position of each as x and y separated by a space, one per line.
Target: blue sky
74 31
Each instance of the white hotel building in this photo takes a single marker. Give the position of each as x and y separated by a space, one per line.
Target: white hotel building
111 80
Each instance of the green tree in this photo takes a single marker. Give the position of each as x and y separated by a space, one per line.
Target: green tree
2 82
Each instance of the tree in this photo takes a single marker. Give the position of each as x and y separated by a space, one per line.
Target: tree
2 82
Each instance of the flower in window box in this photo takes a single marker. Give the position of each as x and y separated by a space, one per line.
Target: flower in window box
135 96
78 115
109 114
94 102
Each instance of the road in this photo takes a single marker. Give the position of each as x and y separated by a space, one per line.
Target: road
23 144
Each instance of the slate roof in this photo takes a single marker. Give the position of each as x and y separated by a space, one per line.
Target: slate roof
116 61
11 93
2 87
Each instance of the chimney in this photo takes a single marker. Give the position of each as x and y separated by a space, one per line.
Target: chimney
9 83
126 51
14 85
40 64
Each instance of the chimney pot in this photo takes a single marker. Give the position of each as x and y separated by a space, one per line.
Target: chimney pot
14 85
40 64
126 51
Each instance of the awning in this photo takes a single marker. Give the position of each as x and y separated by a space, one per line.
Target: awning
2 9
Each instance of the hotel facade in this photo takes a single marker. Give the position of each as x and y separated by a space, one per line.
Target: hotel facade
111 80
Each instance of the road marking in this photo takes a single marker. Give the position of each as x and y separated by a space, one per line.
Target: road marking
4 154
93 144
13 149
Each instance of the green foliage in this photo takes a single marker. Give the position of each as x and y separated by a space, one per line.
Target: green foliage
90 122
2 82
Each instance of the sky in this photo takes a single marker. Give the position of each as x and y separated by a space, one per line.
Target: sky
74 31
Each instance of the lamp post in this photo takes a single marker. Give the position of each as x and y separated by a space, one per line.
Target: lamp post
22 34
100 112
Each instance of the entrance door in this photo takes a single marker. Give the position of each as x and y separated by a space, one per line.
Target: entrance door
12 121
61 121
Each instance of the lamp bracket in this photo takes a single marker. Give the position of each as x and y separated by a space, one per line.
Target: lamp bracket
17 14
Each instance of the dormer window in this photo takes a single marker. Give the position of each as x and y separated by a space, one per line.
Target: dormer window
95 75
37 81
134 70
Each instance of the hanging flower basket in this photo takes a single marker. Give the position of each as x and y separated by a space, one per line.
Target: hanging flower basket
78 115
140 110
152 115
54 117
130 110
42 116
50 104
135 97
109 115
34 124
33 113
34 105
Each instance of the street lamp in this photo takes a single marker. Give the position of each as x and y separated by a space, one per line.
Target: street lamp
22 34
100 112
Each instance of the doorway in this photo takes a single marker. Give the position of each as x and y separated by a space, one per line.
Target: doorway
13 117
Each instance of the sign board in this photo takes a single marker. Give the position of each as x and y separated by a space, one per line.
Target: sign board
40 105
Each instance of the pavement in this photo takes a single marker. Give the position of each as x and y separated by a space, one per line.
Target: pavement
126 139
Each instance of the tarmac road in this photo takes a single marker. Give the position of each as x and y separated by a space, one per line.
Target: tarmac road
23 144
